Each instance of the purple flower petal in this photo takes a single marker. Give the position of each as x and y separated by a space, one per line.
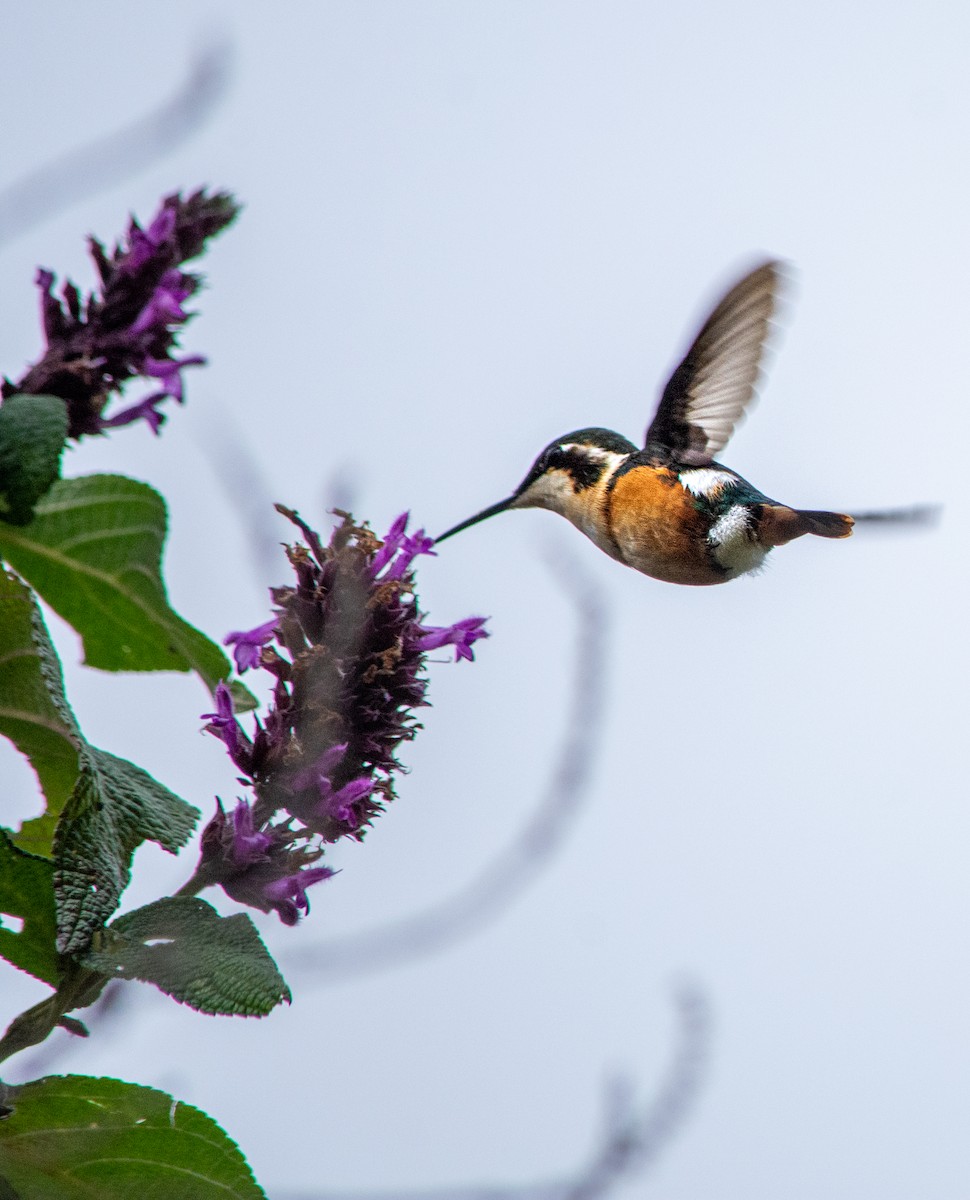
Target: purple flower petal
164 309
462 635
288 895
163 225
392 543
169 372
248 844
223 724
144 244
340 804
247 644
319 773
411 547
144 410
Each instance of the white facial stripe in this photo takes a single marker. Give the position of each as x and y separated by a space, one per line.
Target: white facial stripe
596 453
705 481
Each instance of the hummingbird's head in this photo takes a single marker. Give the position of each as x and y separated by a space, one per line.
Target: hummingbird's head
565 478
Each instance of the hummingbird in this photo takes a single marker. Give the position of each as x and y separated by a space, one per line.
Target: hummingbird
671 510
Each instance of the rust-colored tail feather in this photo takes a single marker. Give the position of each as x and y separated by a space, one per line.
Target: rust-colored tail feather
826 524
780 524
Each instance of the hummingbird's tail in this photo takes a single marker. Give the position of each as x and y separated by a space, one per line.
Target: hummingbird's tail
826 524
780 524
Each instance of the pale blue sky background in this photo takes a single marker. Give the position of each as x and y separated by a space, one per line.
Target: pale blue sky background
470 228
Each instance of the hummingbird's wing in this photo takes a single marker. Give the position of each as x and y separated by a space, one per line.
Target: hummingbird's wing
707 395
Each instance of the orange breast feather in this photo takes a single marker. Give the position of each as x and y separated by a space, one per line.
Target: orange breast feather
657 528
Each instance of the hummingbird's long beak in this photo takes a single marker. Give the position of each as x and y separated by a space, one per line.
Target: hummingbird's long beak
486 512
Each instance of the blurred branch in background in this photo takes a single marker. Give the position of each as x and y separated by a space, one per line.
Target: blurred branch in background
244 482
502 881
634 1140
631 1143
108 160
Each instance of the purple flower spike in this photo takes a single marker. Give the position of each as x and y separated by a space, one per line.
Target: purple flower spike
461 635
127 328
247 644
288 895
348 661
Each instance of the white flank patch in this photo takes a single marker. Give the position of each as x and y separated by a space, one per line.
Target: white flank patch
734 547
705 481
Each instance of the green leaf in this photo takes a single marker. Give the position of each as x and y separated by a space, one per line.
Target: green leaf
93 552
77 1138
242 701
32 434
34 713
102 807
212 963
27 891
113 809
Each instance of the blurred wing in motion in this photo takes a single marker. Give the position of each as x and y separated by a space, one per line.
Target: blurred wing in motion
707 394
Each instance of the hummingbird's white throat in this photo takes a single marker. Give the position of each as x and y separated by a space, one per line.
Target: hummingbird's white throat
583 504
